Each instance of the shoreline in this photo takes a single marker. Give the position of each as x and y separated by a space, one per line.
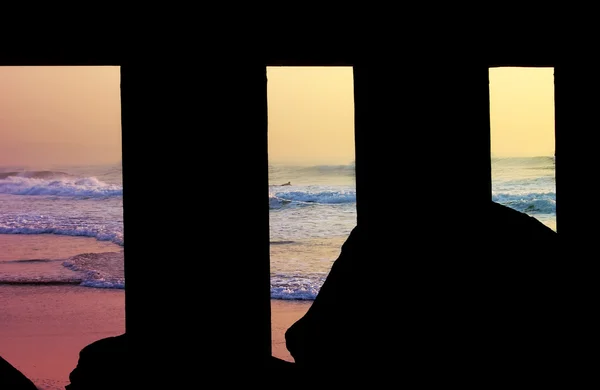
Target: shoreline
44 326
50 246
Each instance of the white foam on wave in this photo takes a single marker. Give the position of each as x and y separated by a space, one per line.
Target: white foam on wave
311 196
65 186
116 237
100 270
531 203
296 287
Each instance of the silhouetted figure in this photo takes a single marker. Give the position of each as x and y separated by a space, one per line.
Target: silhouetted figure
289 183
478 297
13 379
102 365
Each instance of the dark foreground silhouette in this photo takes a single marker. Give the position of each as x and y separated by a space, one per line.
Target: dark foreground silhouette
482 291
478 299
11 378
101 365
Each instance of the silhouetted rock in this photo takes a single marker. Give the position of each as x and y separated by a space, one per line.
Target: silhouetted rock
101 365
476 295
13 379
317 339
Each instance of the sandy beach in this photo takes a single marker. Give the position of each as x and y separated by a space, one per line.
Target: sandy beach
283 315
43 328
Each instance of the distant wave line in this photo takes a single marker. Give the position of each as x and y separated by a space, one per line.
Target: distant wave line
304 202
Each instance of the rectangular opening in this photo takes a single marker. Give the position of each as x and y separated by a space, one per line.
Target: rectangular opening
522 140
61 216
312 191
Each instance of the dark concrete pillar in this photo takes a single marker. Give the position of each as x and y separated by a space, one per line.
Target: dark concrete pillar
196 217
422 142
576 106
422 161
463 130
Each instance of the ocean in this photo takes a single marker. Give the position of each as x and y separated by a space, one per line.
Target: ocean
311 218
44 217
309 221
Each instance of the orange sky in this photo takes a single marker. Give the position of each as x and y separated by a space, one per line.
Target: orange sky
59 115
72 115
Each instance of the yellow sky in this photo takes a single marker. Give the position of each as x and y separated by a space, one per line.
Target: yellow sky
311 113
59 115
522 111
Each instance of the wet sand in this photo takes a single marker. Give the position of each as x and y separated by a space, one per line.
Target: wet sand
50 246
43 328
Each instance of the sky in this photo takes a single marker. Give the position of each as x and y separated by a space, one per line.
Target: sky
311 113
522 111
59 115
72 115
